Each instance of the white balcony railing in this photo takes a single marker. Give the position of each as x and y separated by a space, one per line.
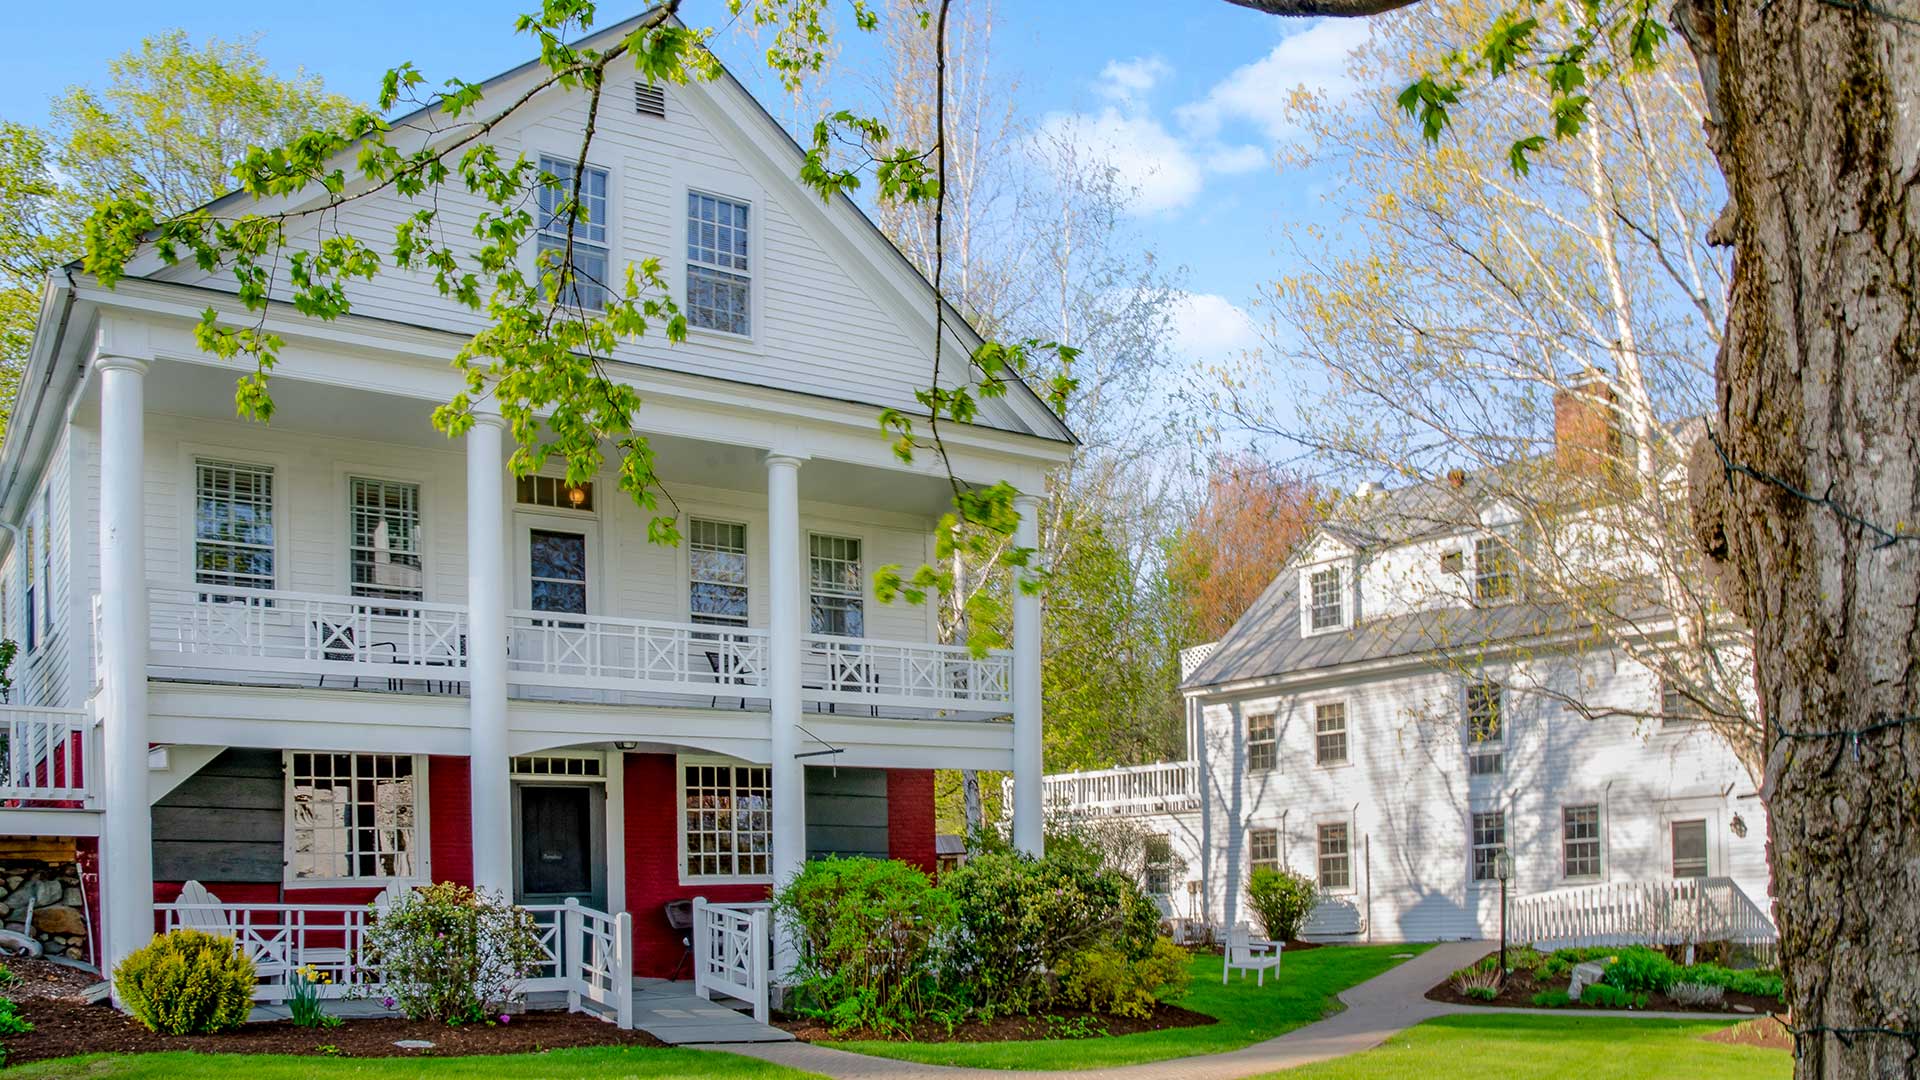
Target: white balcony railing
1163 788
1686 912
273 630
606 653
731 951
859 671
46 757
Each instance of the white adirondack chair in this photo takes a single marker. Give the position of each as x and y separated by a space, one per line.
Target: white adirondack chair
1245 954
203 911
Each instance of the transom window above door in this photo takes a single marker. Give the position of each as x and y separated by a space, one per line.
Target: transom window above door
839 586
717 572
557 571
383 521
232 525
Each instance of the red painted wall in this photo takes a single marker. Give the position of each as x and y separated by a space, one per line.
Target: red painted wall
653 866
910 824
450 820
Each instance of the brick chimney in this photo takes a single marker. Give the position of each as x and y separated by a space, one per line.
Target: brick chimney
1586 426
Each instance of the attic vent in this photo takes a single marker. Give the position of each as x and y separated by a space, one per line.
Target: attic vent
650 100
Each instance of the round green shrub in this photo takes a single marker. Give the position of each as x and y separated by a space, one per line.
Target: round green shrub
868 931
1103 979
187 983
1282 899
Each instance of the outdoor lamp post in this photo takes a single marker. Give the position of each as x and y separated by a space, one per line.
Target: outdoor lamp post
1503 870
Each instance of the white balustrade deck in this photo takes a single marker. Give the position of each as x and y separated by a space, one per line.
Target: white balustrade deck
1162 788
1687 912
47 758
203 633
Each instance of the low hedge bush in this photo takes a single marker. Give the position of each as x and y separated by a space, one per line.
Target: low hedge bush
1105 980
1282 899
1637 969
868 931
1605 996
187 983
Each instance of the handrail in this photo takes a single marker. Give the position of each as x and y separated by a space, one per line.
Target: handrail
910 673
732 946
1683 912
215 626
612 652
46 756
1158 788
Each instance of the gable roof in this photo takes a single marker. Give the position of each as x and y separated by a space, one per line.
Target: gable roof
1031 412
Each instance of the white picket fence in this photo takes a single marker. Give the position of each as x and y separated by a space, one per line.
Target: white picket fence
1688 912
732 949
586 954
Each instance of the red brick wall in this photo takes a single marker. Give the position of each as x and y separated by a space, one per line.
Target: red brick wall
449 819
910 825
653 866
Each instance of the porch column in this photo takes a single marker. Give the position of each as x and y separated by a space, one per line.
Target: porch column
788 610
126 839
487 657
1029 827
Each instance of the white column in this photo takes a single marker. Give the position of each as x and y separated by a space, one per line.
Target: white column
1029 826
788 605
126 840
487 657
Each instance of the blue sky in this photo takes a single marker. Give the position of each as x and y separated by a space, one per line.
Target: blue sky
1190 113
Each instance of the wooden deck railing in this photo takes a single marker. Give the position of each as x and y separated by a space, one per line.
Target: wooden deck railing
1688 912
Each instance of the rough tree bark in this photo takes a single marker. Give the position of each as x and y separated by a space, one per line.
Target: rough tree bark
1817 127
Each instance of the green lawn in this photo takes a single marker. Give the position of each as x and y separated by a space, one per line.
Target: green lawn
1510 1047
608 1063
1303 992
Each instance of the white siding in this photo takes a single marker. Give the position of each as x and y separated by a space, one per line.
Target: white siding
45 675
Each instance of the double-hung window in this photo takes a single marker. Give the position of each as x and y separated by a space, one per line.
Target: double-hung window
1159 859
1336 856
383 523
719 285
1689 842
1677 710
838 585
1489 842
717 572
1580 840
1326 600
586 286
233 525
726 820
1263 745
352 816
1495 575
1330 733
1486 728
1263 849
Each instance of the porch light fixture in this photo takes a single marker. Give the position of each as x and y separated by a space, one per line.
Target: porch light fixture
1739 826
626 744
576 495
1503 870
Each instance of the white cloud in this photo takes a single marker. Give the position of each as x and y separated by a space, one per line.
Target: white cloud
1130 80
1237 159
1211 327
1258 93
1160 171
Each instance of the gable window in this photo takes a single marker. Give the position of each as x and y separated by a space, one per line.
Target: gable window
26 558
717 572
1336 858
1689 840
1330 733
1676 708
1159 858
383 541
726 820
1495 576
1263 849
587 284
839 587
1580 840
1263 747
1326 607
719 288
233 525
1489 842
352 816
1486 728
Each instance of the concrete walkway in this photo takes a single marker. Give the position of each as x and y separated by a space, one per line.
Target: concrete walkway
1376 1009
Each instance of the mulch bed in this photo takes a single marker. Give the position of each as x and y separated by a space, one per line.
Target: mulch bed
39 980
64 1028
1520 988
1767 1033
1056 1024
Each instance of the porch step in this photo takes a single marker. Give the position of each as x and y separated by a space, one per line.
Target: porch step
674 1014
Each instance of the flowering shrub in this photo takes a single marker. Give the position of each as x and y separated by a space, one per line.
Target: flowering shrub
187 983
1103 979
449 953
867 930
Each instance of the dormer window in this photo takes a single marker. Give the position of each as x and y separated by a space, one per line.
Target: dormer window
586 287
1495 577
1326 600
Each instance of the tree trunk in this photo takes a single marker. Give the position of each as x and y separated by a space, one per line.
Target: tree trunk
1817 126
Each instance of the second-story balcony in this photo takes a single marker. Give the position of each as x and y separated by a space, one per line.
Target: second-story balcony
272 637
1168 787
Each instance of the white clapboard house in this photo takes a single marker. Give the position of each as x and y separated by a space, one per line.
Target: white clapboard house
1394 713
302 662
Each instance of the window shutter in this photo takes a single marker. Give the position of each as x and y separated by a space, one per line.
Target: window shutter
650 100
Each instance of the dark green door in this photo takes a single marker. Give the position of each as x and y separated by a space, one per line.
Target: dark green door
556 843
